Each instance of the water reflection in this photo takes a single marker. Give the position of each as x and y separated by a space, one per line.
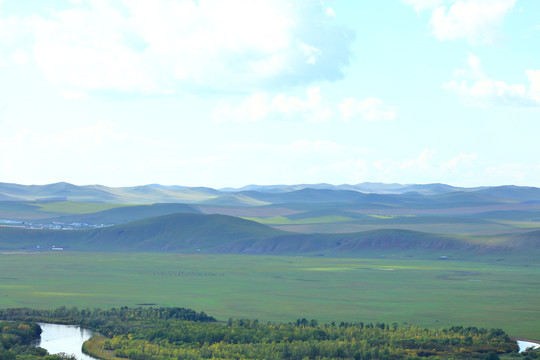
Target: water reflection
64 338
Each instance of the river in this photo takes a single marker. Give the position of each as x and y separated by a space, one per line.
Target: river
64 338
523 345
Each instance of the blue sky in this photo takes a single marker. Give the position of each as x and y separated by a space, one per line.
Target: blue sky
233 92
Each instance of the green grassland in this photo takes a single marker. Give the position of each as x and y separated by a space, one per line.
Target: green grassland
481 291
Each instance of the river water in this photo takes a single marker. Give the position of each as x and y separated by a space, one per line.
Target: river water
523 345
64 338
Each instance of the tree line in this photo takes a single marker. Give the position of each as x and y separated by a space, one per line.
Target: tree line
178 333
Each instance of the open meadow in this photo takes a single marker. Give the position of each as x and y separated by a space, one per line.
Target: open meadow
480 291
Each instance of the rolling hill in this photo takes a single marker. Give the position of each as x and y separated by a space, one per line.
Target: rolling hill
192 233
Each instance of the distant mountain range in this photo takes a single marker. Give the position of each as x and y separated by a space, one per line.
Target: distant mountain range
366 187
258 195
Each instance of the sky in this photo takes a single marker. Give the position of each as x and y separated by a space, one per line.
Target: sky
226 93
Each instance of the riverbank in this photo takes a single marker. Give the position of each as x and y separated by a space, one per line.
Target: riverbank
94 347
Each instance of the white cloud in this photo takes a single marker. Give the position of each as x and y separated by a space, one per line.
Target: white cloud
474 20
371 109
460 169
460 160
312 108
420 5
73 94
534 78
479 89
512 173
165 46
298 146
92 136
311 53
85 154
391 169
354 168
318 146
254 108
330 12
259 106
301 161
421 162
101 135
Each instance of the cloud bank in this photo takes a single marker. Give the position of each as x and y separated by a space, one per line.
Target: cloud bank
476 21
161 47
312 107
479 89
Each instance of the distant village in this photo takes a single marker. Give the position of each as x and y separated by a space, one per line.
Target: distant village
55 225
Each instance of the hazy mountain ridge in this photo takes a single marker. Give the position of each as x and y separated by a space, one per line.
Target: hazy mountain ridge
366 187
259 195
277 219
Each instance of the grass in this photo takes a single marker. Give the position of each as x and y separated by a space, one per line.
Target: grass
432 293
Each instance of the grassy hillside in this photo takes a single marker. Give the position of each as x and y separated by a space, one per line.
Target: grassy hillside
226 234
175 232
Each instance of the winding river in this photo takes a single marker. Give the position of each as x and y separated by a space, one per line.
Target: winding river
69 339
64 338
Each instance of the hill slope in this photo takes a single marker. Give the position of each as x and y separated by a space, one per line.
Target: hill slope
226 234
176 232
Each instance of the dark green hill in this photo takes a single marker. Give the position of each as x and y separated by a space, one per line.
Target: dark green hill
352 244
175 232
398 240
